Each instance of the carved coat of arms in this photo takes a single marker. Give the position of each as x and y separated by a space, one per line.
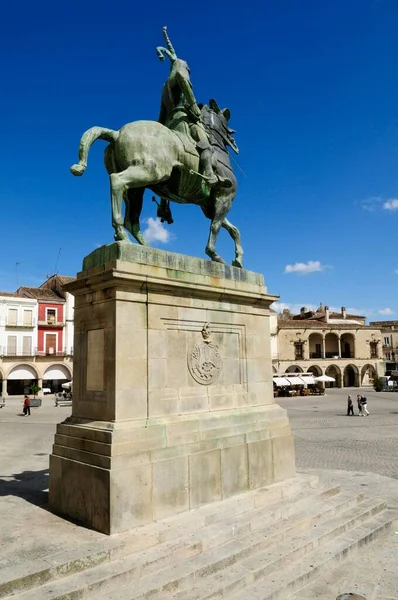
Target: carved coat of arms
204 359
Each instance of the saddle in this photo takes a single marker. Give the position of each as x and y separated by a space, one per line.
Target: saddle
188 143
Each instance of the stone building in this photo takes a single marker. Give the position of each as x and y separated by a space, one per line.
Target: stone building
36 337
389 334
323 342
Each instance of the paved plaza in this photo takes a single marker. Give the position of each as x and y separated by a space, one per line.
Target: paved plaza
326 438
341 450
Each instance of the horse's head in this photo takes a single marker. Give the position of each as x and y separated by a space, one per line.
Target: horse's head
221 122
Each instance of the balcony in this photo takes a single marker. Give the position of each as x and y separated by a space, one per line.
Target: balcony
20 352
331 355
16 352
52 353
51 323
20 324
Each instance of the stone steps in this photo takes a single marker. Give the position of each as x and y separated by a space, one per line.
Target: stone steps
374 576
153 568
297 575
222 551
35 573
236 564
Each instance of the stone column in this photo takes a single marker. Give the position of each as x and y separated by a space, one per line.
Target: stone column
173 402
4 393
339 338
40 383
323 347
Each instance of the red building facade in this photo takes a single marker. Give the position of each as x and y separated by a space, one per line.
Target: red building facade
51 321
50 331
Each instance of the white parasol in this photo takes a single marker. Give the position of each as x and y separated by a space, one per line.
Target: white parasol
324 378
67 386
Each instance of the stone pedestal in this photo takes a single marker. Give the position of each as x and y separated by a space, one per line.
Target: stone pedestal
173 401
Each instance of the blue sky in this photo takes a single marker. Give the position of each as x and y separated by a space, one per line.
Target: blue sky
313 92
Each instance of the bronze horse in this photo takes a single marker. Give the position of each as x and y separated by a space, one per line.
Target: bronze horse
147 155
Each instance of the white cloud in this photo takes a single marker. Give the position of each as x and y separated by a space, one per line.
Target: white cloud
304 268
377 202
386 311
156 232
371 204
391 204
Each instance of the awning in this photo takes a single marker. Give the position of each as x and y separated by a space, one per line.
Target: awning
56 372
281 381
294 380
308 379
22 372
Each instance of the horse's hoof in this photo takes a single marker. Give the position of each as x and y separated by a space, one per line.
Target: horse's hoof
217 258
237 263
121 237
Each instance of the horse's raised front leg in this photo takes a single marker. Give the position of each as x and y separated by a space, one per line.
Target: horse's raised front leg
235 235
134 199
221 208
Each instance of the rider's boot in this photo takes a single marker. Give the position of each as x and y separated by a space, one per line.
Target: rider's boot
206 159
164 212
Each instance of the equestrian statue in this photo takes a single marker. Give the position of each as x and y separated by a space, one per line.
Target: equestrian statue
183 157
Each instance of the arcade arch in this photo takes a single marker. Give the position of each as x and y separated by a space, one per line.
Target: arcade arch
294 369
351 376
315 370
55 375
332 349
335 372
368 374
20 379
315 345
347 345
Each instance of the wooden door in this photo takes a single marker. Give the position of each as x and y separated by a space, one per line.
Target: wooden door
51 343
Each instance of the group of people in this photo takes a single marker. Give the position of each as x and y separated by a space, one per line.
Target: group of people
362 404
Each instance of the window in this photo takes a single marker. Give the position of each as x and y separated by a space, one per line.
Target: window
387 340
27 318
298 350
373 349
388 356
51 314
27 345
12 316
51 343
11 345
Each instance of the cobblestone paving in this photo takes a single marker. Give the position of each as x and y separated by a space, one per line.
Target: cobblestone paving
327 439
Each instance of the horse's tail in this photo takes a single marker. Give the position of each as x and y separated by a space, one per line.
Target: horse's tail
88 138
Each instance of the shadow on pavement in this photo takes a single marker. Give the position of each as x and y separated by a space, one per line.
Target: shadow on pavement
32 486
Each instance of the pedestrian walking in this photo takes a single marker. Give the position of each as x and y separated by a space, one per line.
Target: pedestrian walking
26 406
350 406
364 403
359 404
